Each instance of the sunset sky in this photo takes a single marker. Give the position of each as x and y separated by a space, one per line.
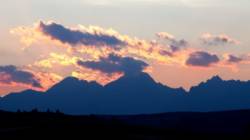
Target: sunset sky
180 43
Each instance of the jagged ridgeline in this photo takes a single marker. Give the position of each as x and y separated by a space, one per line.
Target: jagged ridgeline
132 94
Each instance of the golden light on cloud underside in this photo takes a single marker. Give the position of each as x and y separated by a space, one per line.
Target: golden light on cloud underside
48 79
45 79
97 76
150 51
55 58
134 46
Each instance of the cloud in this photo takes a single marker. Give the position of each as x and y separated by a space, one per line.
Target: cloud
165 35
77 37
166 53
93 75
87 52
92 44
47 79
115 64
234 59
175 45
12 75
72 41
55 59
216 40
202 59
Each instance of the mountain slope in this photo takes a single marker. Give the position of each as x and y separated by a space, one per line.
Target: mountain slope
217 94
71 85
132 94
140 83
23 100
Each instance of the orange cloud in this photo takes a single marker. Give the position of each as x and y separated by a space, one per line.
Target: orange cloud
27 78
48 79
13 75
94 75
100 43
131 46
56 58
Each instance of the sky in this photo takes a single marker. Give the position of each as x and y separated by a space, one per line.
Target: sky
180 43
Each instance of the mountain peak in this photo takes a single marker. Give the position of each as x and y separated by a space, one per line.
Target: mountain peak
141 75
132 94
69 79
216 78
72 84
138 78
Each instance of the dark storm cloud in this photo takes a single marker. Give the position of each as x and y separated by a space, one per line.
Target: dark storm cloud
202 59
11 74
75 37
114 63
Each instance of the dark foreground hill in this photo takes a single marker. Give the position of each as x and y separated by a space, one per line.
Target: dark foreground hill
213 125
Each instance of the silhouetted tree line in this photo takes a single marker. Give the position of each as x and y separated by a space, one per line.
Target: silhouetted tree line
35 110
55 124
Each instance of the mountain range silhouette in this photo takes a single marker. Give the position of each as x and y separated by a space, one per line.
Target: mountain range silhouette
132 94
